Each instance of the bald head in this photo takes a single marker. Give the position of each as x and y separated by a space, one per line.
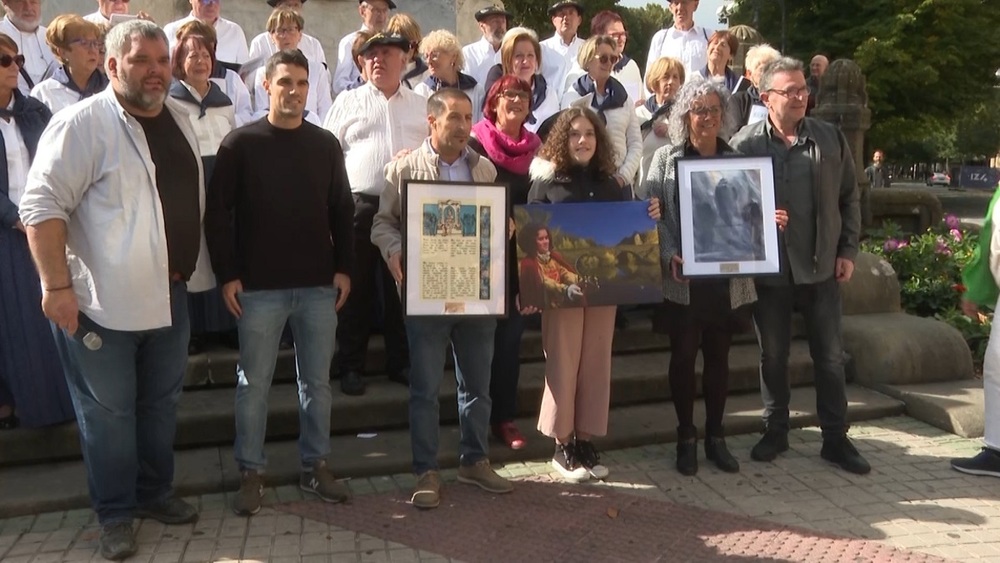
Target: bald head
817 66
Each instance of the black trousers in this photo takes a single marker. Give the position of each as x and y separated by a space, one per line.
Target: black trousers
506 367
355 319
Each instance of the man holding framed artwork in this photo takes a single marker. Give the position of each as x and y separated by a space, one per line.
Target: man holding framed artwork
815 180
444 156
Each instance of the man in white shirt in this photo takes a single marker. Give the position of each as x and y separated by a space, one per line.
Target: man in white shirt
483 54
262 47
105 8
22 24
561 49
374 122
117 180
374 16
685 41
232 43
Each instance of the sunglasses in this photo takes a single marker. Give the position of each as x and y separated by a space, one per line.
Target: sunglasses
7 60
607 59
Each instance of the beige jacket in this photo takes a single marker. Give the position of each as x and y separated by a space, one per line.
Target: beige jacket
421 164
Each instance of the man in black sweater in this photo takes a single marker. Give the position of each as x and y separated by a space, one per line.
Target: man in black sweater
279 228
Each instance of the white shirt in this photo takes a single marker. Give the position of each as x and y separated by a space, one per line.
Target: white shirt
558 58
262 47
232 46
689 47
318 101
93 170
629 76
237 91
372 129
18 160
98 18
211 128
54 94
479 58
347 72
37 54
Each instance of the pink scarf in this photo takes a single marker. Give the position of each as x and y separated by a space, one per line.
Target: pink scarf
507 153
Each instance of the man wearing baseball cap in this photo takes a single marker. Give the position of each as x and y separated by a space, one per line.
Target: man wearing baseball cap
562 47
262 47
483 54
374 16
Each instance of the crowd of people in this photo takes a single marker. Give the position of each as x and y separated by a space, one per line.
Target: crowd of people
139 211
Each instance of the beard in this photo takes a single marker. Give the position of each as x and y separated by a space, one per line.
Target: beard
496 35
23 24
134 95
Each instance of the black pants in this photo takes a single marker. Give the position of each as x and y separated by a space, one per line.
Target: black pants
820 305
355 318
506 368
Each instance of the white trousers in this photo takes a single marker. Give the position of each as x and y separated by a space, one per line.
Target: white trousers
991 387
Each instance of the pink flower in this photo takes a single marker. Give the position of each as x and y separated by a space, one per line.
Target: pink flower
890 245
956 234
952 221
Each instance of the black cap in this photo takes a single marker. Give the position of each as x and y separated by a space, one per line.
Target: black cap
274 3
493 10
392 5
392 40
566 4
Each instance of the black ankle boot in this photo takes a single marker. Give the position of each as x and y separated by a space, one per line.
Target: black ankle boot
716 451
687 450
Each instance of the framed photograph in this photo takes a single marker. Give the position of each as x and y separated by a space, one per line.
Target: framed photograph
727 216
454 249
587 254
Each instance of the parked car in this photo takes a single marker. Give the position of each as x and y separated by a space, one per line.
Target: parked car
939 179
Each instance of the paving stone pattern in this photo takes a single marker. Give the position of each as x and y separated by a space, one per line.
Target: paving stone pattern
788 510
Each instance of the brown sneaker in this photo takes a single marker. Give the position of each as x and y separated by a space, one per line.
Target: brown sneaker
482 475
321 482
427 493
247 501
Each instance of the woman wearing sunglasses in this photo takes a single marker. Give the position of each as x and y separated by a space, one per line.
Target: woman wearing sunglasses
600 92
31 375
503 139
77 45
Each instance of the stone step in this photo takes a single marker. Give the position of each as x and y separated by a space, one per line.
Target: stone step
958 407
62 485
206 415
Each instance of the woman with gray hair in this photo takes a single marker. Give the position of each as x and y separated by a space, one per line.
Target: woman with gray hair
705 312
746 107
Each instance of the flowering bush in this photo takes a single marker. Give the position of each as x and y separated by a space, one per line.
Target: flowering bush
929 267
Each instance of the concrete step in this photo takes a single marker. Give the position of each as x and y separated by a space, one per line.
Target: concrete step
957 407
206 415
62 485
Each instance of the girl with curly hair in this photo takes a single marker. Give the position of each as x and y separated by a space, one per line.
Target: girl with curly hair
576 164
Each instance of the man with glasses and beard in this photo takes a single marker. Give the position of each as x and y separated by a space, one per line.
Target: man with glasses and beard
113 209
483 54
22 24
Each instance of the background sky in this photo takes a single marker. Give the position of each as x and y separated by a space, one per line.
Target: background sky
705 16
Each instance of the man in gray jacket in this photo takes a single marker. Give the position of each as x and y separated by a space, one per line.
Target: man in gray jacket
445 157
815 181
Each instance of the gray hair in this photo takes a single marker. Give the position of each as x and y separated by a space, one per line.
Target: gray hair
782 64
119 38
760 55
680 126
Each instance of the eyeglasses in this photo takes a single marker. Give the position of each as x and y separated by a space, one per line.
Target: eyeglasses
88 43
514 95
7 60
285 31
607 59
207 2
714 111
800 93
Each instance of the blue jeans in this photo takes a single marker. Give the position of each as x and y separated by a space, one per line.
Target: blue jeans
312 315
125 395
472 345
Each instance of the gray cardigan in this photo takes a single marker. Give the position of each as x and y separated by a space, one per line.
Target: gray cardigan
835 192
661 182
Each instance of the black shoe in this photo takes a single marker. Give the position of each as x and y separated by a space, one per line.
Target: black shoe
687 456
840 451
986 462
170 511
401 377
196 345
117 541
716 451
352 384
9 422
589 458
772 443
566 463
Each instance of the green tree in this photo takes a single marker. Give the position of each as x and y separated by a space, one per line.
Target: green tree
977 135
642 23
534 14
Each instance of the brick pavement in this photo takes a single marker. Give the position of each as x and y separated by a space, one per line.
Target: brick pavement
912 500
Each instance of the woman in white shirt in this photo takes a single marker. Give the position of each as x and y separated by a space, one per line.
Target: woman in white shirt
600 92
227 80
443 54
664 79
285 27
521 55
77 45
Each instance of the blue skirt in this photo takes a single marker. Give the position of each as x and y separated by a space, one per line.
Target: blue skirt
30 366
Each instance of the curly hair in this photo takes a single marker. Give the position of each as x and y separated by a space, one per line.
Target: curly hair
556 146
528 235
679 124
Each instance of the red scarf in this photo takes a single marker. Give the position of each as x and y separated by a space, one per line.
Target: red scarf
509 154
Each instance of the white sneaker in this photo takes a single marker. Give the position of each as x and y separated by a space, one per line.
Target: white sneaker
565 462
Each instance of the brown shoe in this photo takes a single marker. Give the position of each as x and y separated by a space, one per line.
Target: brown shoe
247 501
427 493
483 476
321 482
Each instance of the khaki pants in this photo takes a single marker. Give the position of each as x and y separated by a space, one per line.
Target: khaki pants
577 343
